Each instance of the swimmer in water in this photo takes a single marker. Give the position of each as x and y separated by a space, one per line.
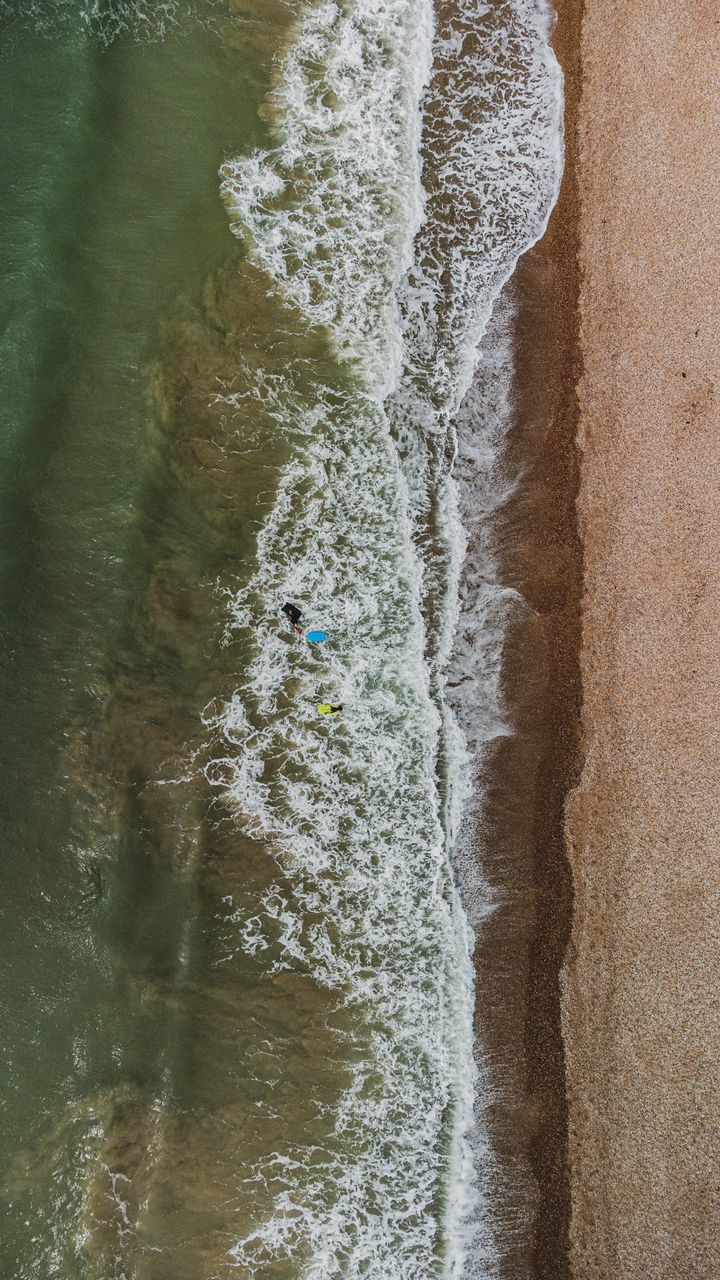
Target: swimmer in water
329 708
293 615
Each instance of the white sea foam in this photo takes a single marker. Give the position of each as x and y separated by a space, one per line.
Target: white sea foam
350 811
330 213
144 21
361 813
493 143
484 489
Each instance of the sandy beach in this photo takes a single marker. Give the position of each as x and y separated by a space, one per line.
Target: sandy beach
641 982
602 832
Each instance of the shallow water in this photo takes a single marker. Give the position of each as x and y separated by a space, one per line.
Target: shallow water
113 216
236 965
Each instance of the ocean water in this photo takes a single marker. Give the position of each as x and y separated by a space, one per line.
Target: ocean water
253 251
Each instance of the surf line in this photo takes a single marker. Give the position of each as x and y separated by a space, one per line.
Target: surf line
347 247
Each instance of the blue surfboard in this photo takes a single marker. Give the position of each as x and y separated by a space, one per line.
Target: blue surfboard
316 637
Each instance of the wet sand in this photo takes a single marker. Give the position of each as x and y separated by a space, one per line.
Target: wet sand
526 775
641 988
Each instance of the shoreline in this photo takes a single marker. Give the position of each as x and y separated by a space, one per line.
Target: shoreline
526 776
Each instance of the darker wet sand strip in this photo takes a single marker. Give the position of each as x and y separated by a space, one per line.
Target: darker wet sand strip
526 776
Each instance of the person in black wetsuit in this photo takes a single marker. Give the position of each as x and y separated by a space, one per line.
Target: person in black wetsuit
293 615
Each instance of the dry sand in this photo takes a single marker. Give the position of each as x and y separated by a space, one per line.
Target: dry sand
641 988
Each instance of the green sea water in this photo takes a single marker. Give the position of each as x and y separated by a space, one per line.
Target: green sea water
111 227
172 1070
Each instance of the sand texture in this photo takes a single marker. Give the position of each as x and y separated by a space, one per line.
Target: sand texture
641 984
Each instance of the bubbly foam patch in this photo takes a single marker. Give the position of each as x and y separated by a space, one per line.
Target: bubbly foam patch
493 147
145 21
330 213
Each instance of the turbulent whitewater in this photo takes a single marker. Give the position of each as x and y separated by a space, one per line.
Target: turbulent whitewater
388 214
